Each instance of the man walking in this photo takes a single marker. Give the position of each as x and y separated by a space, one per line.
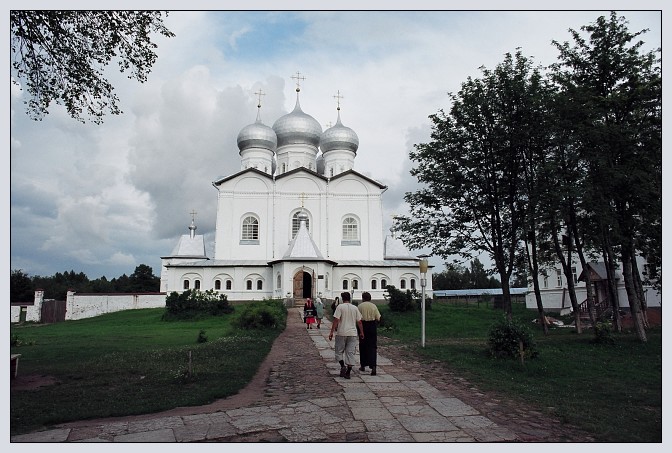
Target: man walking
368 346
346 320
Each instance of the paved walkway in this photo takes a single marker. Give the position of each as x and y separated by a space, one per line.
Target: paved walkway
305 400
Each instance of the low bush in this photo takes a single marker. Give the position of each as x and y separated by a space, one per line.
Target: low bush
400 301
511 338
192 304
603 334
268 314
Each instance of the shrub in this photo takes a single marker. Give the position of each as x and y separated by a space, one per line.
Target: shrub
399 300
192 304
418 300
202 338
603 333
268 314
505 339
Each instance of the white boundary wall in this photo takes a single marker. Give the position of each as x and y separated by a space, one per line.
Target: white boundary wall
80 306
88 305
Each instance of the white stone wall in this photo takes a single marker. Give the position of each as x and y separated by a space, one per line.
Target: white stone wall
80 306
33 312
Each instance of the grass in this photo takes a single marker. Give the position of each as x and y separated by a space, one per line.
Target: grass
131 362
612 391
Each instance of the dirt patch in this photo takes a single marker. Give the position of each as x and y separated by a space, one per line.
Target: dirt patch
31 382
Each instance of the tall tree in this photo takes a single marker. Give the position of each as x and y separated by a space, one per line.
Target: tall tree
471 199
60 56
616 89
20 287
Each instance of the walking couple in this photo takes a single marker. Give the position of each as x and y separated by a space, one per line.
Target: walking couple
348 326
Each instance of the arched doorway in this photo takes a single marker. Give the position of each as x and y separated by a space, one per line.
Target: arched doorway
303 285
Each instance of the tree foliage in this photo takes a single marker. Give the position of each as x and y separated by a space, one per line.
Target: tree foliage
560 165
471 200
20 287
56 286
455 276
61 56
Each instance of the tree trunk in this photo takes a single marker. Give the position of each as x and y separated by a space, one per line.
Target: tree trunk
640 290
567 269
590 295
612 290
630 290
533 263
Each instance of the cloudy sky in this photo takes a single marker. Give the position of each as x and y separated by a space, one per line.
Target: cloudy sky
104 198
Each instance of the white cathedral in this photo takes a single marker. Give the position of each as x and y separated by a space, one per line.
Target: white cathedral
296 221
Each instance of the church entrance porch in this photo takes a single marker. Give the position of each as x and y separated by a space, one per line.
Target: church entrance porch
303 286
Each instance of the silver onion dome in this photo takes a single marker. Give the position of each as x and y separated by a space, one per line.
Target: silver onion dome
339 137
257 135
297 128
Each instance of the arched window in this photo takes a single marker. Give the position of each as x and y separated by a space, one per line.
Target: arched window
218 284
284 168
250 230
197 284
185 284
296 223
355 284
278 285
412 283
260 285
249 285
374 284
350 229
345 284
383 284
228 285
402 284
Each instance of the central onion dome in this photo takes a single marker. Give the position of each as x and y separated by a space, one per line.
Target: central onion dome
257 135
297 128
339 137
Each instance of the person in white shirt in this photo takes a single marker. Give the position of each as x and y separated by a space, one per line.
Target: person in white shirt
347 319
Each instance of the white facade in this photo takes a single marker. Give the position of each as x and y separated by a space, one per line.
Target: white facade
555 296
289 173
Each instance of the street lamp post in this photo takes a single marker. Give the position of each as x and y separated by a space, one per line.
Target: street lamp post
423 283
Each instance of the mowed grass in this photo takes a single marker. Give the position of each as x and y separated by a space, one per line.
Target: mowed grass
612 391
131 362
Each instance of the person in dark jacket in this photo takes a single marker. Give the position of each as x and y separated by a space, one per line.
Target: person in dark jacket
368 346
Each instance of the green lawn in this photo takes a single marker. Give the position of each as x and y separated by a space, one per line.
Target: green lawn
613 391
131 362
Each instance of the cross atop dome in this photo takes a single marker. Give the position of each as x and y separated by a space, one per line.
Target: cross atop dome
298 77
259 95
338 98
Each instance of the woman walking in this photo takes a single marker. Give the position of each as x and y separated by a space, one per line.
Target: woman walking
319 310
309 313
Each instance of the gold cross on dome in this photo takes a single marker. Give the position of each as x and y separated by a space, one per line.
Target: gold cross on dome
259 95
298 77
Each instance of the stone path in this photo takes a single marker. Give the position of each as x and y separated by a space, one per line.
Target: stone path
298 396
